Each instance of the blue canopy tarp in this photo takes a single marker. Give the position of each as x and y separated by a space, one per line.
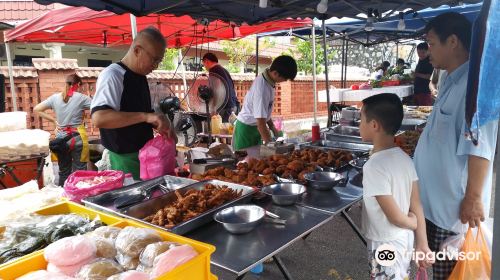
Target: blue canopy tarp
385 30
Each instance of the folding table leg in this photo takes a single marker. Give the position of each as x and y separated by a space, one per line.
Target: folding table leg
241 276
282 268
353 226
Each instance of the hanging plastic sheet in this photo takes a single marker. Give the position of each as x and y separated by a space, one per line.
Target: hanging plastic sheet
483 92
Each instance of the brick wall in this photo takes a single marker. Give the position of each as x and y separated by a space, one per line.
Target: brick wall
293 100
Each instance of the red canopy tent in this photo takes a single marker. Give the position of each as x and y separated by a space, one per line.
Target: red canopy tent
80 25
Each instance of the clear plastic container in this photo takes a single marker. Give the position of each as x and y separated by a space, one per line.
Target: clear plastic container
216 124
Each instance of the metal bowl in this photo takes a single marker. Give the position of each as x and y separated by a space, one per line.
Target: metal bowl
323 181
241 218
284 193
358 163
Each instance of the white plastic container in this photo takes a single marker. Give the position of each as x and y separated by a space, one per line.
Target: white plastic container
11 121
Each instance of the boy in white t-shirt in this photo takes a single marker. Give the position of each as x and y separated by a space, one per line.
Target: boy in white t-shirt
392 210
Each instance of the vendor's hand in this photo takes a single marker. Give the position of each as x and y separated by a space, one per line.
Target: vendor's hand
161 123
471 211
426 262
412 218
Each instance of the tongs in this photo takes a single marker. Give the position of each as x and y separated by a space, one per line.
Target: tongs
273 218
212 160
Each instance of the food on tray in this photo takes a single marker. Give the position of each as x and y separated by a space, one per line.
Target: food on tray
131 241
78 257
408 141
171 259
127 262
105 248
193 203
153 250
424 109
259 173
70 250
68 270
100 269
35 232
241 176
43 275
130 275
107 232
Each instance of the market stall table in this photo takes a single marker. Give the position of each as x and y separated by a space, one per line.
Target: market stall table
348 95
240 253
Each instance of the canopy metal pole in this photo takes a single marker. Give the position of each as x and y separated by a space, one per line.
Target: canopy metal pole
342 66
11 77
345 67
133 26
495 250
183 71
325 55
256 56
314 71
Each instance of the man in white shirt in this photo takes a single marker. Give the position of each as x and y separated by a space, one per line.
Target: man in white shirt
254 121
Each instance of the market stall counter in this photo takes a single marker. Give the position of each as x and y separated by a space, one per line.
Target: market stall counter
349 95
240 253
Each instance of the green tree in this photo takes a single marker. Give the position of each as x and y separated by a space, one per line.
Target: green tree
169 59
239 53
304 59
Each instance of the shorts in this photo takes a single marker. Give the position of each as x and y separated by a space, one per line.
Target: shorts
400 268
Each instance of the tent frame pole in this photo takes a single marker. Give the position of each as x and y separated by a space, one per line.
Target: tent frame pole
11 77
314 71
325 56
342 66
345 60
256 56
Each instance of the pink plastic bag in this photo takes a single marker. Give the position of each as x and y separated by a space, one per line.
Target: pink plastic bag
157 158
421 274
81 184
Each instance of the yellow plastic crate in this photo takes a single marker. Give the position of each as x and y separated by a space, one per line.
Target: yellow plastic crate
197 268
67 207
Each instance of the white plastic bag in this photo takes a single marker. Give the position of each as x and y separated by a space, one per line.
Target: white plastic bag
453 244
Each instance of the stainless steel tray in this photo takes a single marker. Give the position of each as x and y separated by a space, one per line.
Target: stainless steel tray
344 133
104 201
338 145
139 211
412 124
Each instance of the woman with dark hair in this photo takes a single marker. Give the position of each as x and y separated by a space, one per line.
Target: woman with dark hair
70 144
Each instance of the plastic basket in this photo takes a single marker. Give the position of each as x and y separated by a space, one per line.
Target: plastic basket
197 268
390 83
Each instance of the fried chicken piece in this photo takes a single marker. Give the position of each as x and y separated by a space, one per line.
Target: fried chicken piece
296 165
268 171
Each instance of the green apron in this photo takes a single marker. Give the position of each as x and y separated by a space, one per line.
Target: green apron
128 163
245 136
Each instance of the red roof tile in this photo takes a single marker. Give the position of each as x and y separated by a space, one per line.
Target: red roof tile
50 63
21 10
19 72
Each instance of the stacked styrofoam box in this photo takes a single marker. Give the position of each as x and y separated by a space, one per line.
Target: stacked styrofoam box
16 141
11 121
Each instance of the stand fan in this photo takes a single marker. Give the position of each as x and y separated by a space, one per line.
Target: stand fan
183 124
207 97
